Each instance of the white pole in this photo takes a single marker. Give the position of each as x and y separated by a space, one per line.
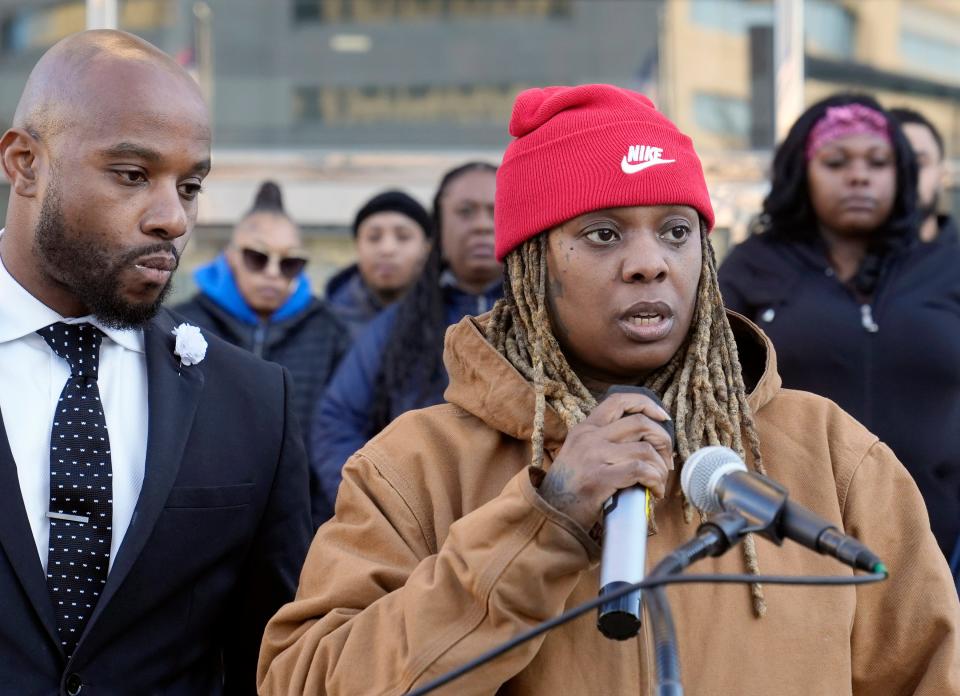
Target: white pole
101 14
788 50
203 17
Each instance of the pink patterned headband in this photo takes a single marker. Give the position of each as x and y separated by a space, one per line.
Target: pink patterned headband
840 121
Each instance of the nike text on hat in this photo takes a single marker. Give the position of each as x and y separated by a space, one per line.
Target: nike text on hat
578 149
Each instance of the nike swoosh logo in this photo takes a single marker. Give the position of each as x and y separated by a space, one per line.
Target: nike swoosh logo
639 167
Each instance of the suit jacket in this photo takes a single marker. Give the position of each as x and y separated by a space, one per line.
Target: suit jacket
214 548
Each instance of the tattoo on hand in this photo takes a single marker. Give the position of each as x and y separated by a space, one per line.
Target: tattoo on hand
554 490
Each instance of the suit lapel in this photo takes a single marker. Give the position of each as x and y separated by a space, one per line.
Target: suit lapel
16 537
173 392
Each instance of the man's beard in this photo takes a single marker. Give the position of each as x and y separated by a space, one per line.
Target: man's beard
73 259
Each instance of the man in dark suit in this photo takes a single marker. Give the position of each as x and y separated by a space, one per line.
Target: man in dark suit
154 507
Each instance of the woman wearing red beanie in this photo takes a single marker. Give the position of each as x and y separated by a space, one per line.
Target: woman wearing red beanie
461 525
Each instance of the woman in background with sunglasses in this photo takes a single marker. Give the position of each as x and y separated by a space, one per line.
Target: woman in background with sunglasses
256 295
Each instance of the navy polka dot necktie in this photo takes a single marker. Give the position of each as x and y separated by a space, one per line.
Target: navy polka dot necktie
81 485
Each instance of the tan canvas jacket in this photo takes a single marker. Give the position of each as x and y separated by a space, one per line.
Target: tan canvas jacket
441 548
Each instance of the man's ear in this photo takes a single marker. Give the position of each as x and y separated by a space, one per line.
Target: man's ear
20 154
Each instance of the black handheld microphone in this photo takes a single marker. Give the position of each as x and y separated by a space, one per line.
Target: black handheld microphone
716 479
625 517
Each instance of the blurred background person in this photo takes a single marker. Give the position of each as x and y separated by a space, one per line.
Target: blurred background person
256 295
858 309
397 363
927 144
393 234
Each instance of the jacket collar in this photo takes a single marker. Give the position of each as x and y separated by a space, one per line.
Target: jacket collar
216 281
347 291
485 384
449 281
758 361
22 314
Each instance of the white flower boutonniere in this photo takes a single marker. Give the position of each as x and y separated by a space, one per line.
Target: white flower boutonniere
191 346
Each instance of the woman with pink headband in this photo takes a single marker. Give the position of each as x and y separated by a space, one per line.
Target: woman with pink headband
858 311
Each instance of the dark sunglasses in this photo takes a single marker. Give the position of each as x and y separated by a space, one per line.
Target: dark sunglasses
256 262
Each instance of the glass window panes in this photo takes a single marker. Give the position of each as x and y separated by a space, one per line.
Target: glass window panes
829 28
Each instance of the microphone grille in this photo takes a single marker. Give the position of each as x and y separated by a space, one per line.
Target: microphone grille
702 472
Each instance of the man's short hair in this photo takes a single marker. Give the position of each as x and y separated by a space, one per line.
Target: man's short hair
903 116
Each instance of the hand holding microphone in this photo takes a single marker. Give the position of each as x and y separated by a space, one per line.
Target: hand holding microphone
618 456
626 517
622 443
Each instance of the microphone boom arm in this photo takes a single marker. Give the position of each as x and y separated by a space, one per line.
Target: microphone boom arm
714 537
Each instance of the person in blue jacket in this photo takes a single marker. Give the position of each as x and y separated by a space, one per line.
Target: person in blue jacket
257 296
397 362
858 309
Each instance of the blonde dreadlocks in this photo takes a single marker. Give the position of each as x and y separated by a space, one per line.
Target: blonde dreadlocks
701 386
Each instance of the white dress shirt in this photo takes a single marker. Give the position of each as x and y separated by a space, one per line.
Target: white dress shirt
31 379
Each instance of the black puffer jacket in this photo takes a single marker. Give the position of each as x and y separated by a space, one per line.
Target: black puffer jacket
309 344
892 362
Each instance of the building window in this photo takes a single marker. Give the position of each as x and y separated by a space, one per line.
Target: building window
39 28
306 104
364 11
728 117
829 28
385 104
931 55
732 16
307 11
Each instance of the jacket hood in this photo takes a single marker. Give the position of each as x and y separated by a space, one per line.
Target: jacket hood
485 384
216 281
338 281
349 295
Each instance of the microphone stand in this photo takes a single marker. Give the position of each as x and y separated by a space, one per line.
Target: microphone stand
666 661
710 543
714 537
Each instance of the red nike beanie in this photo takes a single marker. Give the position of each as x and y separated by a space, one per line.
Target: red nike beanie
578 149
